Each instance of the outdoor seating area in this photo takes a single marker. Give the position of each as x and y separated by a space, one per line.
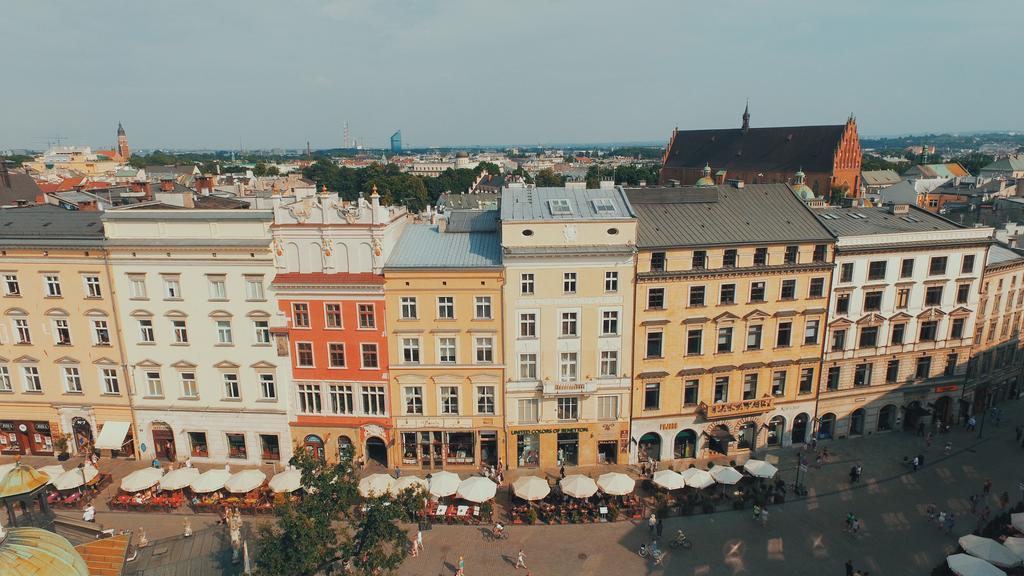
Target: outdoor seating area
575 499
695 491
73 488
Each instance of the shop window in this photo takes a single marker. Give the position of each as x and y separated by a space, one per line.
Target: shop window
271 448
197 442
568 449
528 450
236 446
461 447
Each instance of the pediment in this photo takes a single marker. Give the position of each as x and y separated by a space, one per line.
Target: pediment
26 359
104 361
65 360
872 318
183 364
931 314
224 364
726 317
147 363
263 365
756 315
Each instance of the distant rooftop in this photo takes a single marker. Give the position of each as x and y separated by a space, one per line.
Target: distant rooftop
1002 254
425 246
868 221
49 225
530 204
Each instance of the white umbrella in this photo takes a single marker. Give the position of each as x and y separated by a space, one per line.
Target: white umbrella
1017 520
616 483
699 479
964 565
531 488
210 481
287 481
726 474
245 481
5 468
74 478
759 468
989 550
53 470
178 478
1016 545
477 489
406 482
141 479
578 486
376 485
669 479
444 483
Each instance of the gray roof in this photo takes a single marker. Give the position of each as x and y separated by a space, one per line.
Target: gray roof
17 186
903 193
1002 254
1008 164
531 204
722 215
868 221
880 177
425 246
478 201
49 225
473 221
188 214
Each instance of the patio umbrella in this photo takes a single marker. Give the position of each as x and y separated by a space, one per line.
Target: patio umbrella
964 565
759 468
531 488
376 485
726 475
477 489
53 470
5 468
578 486
287 481
1016 545
179 478
699 479
210 481
74 478
669 479
989 550
245 481
1017 520
141 479
444 483
616 483
406 482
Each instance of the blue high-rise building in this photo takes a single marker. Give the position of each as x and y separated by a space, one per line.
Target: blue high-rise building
396 141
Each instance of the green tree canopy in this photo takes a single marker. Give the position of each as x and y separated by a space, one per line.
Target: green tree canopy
548 178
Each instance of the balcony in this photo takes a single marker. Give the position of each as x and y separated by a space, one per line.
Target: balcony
569 388
735 409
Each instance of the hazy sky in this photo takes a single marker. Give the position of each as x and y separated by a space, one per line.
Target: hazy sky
214 73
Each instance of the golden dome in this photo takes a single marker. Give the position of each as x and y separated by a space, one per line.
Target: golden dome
802 190
40 553
22 479
706 179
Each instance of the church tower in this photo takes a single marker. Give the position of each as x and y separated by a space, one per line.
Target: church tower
122 144
746 117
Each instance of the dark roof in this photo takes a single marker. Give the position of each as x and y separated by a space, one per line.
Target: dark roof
722 215
425 246
473 221
15 186
869 221
49 225
782 149
476 201
219 203
207 551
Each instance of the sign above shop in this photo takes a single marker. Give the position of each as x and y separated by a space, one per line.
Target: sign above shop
733 409
949 388
546 431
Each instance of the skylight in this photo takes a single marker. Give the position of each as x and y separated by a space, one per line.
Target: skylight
603 205
559 206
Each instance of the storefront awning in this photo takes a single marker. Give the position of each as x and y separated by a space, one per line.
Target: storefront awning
112 436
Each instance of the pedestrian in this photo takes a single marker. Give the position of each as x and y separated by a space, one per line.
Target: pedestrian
849 568
928 441
855 526
986 488
89 514
652 524
950 521
930 511
462 567
860 470
915 463
920 428
849 521
757 512
398 472
418 543
521 560
971 423
853 474
660 527
561 471
940 520
764 517
948 449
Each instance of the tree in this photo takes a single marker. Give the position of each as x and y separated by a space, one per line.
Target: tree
491 168
548 178
262 169
974 161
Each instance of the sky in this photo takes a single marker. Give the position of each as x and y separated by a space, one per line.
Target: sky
277 73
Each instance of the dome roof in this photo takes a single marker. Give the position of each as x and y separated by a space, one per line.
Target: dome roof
803 192
462 155
22 479
706 179
40 553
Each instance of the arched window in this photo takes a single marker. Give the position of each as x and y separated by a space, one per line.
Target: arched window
886 418
799 435
649 447
776 427
685 445
857 422
827 426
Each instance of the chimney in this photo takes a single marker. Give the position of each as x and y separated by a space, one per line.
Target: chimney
736 183
88 206
673 183
188 200
899 209
442 225
166 185
204 184
720 179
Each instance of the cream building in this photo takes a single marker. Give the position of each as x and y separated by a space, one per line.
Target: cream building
191 288
568 304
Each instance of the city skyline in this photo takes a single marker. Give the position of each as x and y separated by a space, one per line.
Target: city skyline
189 75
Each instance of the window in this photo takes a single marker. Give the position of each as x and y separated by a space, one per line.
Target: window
655 298
569 282
611 281
62 332
788 291
902 298
657 261
791 254
898 334
33 383
570 324
832 379
309 399
483 308
218 287
892 371
568 408
862 375
414 400
760 257
907 268
757 291
304 354
236 446
729 258
526 283
957 328
963 292
261 328
721 392
846 272
180 331
449 399
727 294
559 206
811 332
484 349
750 386
100 333
485 399
924 367
568 366
411 350
368 355
652 396
72 379
224 332
409 308
445 307
873 301
691 392
933 296
189 389
928 330
868 337
137 287
876 270
951 360
754 337
154 387
820 252
694 342
817 288
111 385
231 386
341 398
609 367
373 401
839 340
842 303
300 315
784 334
609 322
254 288
146 333
528 410
527 325
367 317
937 265
446 353
332 315
967 267
696 295
24 336
724 339
92 287
52 286
654 344
700 259
607 407
172 288
527 366
806 381
11 285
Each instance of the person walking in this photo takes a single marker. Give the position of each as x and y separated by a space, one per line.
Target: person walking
972 422
462 567
849 522
849 568
521 560
915 463
860 470
950 521
920 459
855 526
419 540
940 520
561 471
948 449
986 488
764 517
660 527
757 512
853 474
652 524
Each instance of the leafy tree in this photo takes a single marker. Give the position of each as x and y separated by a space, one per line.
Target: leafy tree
15 160
548 178
492 168
873 162
974 161
263 169
522 173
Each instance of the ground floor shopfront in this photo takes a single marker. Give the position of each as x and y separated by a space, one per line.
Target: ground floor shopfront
1004 385
570 444
215 437
866 411
436 443
367 439
35 428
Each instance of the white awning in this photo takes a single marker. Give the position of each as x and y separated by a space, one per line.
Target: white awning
112 436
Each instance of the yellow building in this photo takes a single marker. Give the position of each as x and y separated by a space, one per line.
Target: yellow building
732 291
61 367
443 287
77 159
568 301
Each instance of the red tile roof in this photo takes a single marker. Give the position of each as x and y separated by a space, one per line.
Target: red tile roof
339 278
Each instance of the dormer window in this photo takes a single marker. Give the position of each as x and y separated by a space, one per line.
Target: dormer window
559 206
603 205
